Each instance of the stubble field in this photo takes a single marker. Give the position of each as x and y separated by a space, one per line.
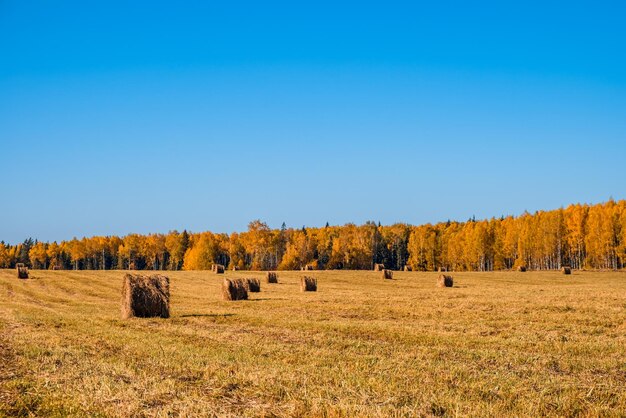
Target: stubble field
496 344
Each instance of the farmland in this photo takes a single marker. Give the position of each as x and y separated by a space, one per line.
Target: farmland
495 344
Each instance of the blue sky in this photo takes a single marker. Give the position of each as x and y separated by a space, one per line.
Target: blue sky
151 116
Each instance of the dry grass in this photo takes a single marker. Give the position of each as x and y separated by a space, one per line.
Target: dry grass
497 344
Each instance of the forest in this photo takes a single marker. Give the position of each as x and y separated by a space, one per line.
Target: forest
580 236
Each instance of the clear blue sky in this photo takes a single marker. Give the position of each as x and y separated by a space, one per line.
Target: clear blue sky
122 117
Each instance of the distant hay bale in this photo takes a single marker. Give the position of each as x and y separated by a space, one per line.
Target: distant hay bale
234 289
57 268
521 269
566 270
442 269
408 268
217 269
308 284
272 277
22 271
445 281
379 267
252 285
307 267
235 268
387 274
145 296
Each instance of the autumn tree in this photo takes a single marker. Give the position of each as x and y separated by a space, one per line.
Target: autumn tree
38 255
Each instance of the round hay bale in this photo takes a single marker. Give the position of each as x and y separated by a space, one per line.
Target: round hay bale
217 269
145 296
379 267
252 285
234 289
272 277
387 274
22 271
308 284
408 268
566 270
442 269
521 269
445 281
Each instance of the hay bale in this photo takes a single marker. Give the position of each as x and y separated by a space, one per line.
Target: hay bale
308 267
57 268
235 268
408 268
521 269
566 270
22 271
145 296
387 274
234 289
272 277
217 269
252 285
445 281
379 267
308 284
442 269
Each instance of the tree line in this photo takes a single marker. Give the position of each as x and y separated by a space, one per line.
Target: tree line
580 236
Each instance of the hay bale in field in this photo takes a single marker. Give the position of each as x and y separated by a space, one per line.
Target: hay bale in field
234 289
217 269
387 274
252 285
442 269
308 267
408 268
145 296
22 271
308 284
235 268
57 268
272 277
566 270
521 269
445 281
379 267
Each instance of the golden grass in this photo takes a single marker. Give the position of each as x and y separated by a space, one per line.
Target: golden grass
496 344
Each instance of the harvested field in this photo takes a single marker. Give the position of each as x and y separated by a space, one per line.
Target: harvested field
496 344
